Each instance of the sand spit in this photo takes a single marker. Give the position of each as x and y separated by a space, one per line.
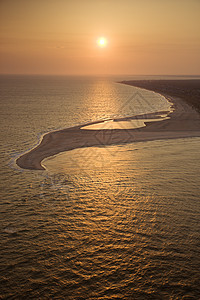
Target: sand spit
184 122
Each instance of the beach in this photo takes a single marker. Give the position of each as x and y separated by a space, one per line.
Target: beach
187 90
183 122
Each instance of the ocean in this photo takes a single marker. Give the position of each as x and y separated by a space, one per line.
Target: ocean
109 222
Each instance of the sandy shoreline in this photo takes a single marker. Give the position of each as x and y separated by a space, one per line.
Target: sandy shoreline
184 122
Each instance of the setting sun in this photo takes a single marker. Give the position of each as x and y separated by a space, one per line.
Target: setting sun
102 42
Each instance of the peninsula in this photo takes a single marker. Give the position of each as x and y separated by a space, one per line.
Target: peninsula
183 122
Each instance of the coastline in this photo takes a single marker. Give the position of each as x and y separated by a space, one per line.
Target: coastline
184 122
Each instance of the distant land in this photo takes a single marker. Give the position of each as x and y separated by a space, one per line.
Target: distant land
187 89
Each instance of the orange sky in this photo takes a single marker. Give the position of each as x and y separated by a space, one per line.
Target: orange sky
59 36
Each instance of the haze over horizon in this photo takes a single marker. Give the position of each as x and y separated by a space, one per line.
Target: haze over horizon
61 37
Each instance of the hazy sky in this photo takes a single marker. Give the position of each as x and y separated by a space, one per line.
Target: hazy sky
59 36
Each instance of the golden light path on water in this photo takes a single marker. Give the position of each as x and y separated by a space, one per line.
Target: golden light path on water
134 212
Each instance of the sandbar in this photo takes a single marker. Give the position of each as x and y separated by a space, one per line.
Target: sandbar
183 122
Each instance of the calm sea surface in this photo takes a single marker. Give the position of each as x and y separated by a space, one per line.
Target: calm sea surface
114 222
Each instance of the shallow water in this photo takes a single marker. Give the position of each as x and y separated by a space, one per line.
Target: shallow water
131 124
114 222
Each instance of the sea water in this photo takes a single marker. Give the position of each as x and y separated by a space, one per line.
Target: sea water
109 222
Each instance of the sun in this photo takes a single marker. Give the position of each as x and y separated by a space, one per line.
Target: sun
102 42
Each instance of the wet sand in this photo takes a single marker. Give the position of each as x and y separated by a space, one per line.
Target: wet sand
184 122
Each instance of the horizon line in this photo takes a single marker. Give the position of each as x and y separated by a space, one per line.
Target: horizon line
102 75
